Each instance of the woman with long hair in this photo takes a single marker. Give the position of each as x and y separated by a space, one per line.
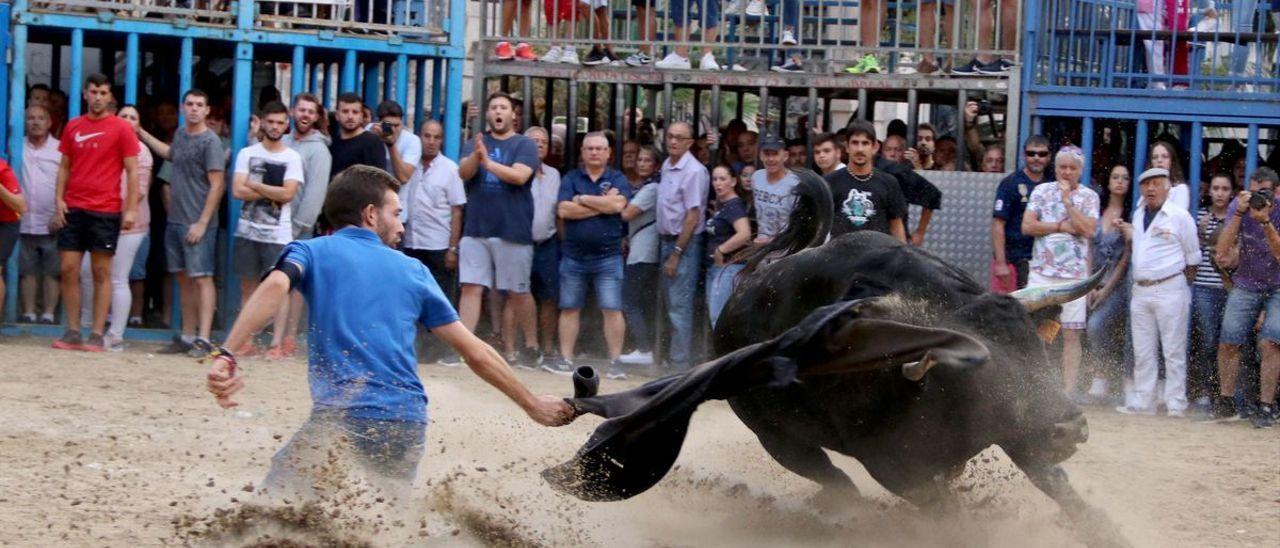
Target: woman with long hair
1208 293
640 278
728 233
1164 156
1109 353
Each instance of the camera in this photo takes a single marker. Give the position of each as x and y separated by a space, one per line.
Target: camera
984 108
387 129
1259 199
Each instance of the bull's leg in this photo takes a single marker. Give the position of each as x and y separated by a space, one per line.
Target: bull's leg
1096 528
811 462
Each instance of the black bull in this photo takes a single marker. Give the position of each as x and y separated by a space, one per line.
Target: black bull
873 349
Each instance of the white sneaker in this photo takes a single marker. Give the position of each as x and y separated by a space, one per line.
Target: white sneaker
553 55
735 7
637 358
673 61
1177 413
1098 388
737 68
757 8
708 62
788 38
1128 410
569 56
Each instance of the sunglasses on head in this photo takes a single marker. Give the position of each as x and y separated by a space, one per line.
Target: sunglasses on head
1036 153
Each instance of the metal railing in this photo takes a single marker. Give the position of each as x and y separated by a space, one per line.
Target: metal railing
1223 46
216 12
828 34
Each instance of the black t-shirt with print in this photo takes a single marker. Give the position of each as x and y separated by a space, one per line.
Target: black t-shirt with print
865 205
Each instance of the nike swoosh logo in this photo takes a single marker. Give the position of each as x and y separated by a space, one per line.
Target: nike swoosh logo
85 137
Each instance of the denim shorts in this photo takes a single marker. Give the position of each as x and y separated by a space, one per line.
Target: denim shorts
605 274
196 260
545 274
1241 315
138 271
387 451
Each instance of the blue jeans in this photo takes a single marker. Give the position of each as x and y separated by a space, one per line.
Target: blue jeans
679 293
1243 307
1207 306
720 283
1109 351
603 273
388 450
708 13
1243 14
640 303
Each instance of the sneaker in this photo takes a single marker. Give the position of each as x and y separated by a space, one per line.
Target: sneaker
1222 409
452 361
1130 410
757 8
93 344
27 318
790 66
134 321
1265 416
926 66
70 340
200 348
569 56
708 62
552 55
788 38
176 346
504 51
597 56
639 59
276 353
868 64
112 344
673 61
559 366
637 358
529 357
616 371
47 319
736 7
999 67
1176 413
249 350
968 69
524 52
289 346
736 68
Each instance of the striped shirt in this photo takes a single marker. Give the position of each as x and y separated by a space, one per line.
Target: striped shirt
1206 274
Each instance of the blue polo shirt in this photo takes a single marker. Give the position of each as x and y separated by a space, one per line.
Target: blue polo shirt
364 300
1010 204
601 235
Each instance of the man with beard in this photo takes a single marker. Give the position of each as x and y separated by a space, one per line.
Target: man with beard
313 147
864 197
369 402
267 177
1012 249
353 146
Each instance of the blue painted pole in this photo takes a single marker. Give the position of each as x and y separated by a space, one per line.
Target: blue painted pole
371 87
131 62
348 80
437 87
16 131
453 109
298 71
421 112
185 79
241 106
76 89
313 73
402 81
388 72
1251 155
330 70
1140 149
1086 143
1194 175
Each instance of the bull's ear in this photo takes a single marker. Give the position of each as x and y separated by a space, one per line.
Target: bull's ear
851 344
1047 325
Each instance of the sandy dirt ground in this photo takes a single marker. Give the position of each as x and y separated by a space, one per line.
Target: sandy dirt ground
128 450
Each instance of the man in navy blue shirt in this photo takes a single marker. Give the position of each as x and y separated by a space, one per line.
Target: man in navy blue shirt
496 250
591 202
1008 244
364 300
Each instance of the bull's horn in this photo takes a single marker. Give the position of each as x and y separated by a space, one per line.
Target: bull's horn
1035 298
916 370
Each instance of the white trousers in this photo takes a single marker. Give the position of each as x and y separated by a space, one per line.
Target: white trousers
121 297
1159 315
1155 48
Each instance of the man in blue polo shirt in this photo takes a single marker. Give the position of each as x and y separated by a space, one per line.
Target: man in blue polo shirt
1010 247
591 202
364 299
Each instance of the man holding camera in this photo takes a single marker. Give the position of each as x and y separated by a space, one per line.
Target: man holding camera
1252 218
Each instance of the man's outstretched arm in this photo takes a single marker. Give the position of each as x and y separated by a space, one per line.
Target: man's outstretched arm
488 364
223 380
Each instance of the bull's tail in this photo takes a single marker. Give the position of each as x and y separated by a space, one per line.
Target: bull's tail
810 221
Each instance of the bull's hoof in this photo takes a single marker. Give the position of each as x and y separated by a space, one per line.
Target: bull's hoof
833 499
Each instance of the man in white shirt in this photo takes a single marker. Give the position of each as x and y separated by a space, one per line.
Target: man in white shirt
267 177
38 249
433 202
544 279
404 150
1166 250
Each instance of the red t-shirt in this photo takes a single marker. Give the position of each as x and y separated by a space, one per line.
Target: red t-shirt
96 149
10 182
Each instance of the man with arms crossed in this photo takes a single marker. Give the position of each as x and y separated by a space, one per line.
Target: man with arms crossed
368 400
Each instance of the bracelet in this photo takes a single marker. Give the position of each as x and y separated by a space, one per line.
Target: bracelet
453 249
679 250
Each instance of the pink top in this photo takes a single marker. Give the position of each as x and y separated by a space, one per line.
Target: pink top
145 161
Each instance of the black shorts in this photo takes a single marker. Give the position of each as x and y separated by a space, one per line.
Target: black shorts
90 231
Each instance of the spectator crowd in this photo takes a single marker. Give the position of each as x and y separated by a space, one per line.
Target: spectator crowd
656 221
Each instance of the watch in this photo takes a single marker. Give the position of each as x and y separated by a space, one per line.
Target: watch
453 249
679 250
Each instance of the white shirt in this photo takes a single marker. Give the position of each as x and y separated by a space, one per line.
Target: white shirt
1166 247
264 220
546 194
432 192
39 180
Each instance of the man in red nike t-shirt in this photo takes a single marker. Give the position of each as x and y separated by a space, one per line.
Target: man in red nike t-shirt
89 212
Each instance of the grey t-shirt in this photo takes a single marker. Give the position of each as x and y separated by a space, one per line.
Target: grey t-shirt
643 231
773 201
192 157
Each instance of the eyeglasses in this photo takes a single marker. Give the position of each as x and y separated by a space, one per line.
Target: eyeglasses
1036 153
679 138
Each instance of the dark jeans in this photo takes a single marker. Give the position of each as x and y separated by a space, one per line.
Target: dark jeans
1022 267
1109 345
640 304
387 451
1207 306
434 261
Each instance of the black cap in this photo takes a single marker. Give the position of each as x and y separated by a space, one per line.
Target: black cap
770 142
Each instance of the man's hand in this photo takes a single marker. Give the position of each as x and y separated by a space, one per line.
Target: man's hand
1065 189
195 232
970 112
1002 270
450 260
1242 202
59 216
388 139
1125 228
1262 215
550 411
912 156
224 381
130 217
480 152
669 267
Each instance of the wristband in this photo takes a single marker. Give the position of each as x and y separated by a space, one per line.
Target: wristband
679 250
221 353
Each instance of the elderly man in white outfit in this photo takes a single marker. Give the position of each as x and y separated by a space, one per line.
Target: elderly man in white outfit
1166 251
